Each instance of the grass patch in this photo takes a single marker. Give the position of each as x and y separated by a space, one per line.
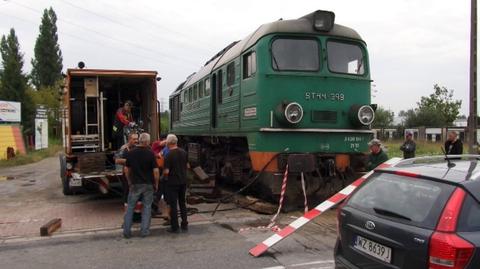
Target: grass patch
423 148
54 147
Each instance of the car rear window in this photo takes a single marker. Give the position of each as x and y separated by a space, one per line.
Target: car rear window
470 216
392 196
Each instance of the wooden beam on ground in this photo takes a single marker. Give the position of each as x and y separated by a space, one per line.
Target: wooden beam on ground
50 227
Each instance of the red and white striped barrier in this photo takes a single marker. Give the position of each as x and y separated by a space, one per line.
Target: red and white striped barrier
310 215
282 196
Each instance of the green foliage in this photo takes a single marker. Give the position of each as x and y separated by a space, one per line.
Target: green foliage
47 64
13 81
424 148
49 97
439 109
54 147
441 102
383 118
164 122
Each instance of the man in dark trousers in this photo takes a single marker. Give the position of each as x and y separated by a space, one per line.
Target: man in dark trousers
121 159
143 177
175 171
453 145
408 146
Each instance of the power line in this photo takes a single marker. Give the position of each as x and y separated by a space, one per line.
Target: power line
121 23
89 41
162 27
103 35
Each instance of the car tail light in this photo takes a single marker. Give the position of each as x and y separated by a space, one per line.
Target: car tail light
448 220
447 249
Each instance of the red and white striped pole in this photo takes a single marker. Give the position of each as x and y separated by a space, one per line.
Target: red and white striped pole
282 197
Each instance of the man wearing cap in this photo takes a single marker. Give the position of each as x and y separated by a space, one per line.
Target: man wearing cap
408 146
377 156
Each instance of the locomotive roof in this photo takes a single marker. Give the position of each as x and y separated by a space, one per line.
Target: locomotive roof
300 25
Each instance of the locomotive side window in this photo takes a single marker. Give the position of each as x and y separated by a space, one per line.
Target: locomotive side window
195 92
200 89
207 87
295 54
190 95
230 74
219 86
185 96
345 58
249 64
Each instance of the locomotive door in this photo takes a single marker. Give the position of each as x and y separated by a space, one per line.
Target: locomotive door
213 105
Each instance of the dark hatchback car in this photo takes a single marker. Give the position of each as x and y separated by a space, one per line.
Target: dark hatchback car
421 213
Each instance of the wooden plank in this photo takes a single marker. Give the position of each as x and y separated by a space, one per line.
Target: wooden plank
50 227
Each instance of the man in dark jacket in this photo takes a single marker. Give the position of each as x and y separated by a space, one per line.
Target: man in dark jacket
408 147
377 156
175 171
453 145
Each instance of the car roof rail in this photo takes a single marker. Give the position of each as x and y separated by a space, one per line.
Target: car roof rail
437 158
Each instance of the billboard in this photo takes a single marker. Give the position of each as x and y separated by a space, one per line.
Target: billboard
41 133
10 111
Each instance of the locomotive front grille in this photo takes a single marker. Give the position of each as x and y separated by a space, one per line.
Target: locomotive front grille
324 116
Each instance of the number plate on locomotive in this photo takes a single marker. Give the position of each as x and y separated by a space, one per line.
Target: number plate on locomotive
372 248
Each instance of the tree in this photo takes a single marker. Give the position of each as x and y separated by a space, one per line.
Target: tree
441 102
13 81
49 97
383 118
436 110
47 63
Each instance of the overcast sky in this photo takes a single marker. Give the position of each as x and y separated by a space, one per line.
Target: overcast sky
412 44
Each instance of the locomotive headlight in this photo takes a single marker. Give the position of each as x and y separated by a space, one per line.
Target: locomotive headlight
366 115
69 166
323 20
293 113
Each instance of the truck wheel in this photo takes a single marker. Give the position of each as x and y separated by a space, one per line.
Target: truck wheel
65 181
66 187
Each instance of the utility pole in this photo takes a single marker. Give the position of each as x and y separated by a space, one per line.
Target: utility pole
472 118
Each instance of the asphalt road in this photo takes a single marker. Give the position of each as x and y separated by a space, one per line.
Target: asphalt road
204 246
32 196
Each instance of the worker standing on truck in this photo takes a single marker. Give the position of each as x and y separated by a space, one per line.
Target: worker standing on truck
123 118
143 177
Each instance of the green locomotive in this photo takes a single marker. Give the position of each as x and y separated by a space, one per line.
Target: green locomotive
294 92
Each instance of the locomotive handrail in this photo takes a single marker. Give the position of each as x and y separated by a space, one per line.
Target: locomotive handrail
316 130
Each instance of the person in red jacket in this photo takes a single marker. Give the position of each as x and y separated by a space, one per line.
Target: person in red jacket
123 118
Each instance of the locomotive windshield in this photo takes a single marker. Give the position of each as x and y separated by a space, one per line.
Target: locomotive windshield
345 58
290 54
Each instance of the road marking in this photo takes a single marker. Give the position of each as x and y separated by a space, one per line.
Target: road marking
325 264
312 263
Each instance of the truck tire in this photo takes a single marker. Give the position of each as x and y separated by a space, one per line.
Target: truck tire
65 180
